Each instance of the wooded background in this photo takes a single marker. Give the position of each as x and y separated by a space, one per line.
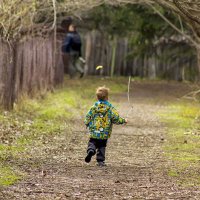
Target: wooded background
31 40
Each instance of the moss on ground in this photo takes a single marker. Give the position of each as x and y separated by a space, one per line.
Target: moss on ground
8 176
183 141
46 115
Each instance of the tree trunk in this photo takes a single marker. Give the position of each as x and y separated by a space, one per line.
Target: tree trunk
114 47
88 49
198 62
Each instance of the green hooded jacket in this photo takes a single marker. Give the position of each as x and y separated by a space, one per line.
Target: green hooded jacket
100 118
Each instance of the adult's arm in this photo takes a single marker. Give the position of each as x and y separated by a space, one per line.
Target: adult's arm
67 44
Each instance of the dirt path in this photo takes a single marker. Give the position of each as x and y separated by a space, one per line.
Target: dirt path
136 167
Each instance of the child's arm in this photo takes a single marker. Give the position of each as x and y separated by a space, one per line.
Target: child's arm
116 119
89 116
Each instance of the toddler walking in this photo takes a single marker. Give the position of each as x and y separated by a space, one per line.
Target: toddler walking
99 119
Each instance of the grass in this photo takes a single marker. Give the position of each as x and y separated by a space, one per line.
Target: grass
8 176
51 114
183 141
47 115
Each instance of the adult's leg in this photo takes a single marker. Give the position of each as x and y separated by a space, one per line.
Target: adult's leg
78 65
72 64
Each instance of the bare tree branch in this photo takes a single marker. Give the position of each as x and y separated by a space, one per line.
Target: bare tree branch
173 26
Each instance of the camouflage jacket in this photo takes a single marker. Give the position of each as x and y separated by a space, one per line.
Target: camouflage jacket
100 119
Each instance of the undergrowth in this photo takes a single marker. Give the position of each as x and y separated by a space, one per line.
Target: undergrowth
183 141
49 114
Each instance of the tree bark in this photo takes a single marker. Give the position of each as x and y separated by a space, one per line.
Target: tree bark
198 62
88 49
114 48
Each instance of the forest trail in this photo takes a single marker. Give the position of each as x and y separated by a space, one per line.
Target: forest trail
136 167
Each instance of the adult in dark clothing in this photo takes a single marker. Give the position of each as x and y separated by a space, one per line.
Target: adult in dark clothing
72 50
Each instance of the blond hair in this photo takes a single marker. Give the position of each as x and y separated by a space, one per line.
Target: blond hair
102 93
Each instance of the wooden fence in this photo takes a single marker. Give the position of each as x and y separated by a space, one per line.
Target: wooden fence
28 66
36 64
167 60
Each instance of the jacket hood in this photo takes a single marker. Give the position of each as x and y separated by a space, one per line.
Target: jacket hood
102 106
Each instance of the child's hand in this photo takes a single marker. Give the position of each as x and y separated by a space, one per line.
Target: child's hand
126 121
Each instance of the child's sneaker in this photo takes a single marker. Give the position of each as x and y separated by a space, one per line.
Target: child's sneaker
89 156
101 164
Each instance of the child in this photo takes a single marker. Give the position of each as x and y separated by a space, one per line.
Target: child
100 119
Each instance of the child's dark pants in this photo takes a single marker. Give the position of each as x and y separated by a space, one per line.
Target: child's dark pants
100 146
